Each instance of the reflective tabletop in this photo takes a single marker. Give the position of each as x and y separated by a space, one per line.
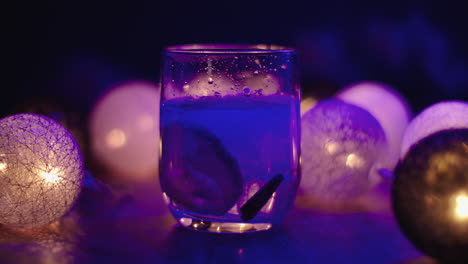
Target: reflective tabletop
131 224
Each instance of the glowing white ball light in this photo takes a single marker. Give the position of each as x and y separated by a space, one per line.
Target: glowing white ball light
388 107
41 170
341 146
440 116
124 130
307 103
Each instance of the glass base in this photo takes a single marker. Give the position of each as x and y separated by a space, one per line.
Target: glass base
222 227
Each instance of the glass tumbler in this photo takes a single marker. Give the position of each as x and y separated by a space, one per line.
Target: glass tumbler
230 135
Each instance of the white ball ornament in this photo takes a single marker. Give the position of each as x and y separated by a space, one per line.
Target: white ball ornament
439 116
388 107
41 170
341 147
124 131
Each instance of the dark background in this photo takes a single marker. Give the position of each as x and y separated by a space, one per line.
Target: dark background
60 56
70 52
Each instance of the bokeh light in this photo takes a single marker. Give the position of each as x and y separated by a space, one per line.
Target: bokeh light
124 131
461 206
341 147
388 107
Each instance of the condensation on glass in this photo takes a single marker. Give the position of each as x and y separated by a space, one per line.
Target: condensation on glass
230 135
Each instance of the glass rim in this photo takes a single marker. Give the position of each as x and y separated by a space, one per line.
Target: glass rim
228 49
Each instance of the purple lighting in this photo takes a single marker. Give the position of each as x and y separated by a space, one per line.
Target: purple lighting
341 148
440 116
124 130
389 108
41 170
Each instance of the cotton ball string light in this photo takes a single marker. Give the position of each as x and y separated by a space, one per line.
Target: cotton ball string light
41 170
439 116
430 195
388 107
124 131
430 191
341 146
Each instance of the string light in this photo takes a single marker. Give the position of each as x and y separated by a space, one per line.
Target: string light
437 117
124 129
430 193
388 107
341 147
41 170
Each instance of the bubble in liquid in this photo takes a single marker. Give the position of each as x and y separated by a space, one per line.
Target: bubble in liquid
255 72
206 85
246 91
269 84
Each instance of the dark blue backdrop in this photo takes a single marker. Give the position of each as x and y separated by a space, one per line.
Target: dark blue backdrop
72 51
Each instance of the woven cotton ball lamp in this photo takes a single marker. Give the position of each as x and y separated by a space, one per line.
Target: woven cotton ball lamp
430 195
341 148
440 116
124 131
430 191
388 107
41 170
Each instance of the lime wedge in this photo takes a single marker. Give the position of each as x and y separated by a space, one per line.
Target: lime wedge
197 172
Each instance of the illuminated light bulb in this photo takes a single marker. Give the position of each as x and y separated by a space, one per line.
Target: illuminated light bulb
51 176
353 161
461 207
3 165
115 139
41 170
341 147
388 107
124 131
439 116
430 198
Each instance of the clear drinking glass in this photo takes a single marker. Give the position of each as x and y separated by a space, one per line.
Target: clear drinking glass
230 135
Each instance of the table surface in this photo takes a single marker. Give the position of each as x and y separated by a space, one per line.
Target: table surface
133 225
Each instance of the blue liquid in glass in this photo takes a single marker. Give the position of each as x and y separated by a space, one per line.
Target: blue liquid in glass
218 152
